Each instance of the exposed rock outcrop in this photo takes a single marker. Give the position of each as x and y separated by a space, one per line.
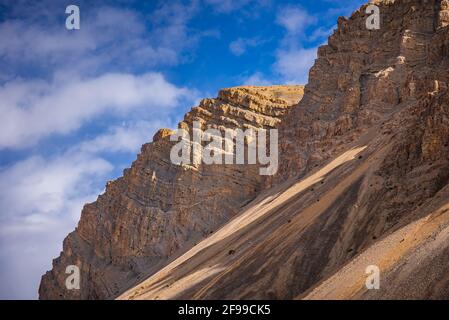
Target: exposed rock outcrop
362 76
363 180
158 209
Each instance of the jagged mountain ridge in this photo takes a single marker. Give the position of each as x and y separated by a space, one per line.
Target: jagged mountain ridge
157 209
364 178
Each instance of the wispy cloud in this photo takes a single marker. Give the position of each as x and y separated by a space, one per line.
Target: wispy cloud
127 138
292 59
293 65
55 82
41 201
42 198
256 79
239 46
227 6
26 105
109 38
294 19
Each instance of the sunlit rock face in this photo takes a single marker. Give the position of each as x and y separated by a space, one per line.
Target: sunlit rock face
159 209
363 180
363 76
326 217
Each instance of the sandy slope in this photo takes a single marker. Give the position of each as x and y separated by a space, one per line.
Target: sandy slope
312 239
211 259
399 257
345 200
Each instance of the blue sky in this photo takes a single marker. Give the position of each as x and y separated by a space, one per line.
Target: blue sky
77 105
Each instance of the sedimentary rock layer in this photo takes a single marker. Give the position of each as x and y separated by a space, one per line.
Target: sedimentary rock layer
157 209
363 180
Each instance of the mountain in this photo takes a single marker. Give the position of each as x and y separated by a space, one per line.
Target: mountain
363 178
158 210
363 181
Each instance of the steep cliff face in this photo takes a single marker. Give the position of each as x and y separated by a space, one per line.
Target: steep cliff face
363 179
363 76
158 209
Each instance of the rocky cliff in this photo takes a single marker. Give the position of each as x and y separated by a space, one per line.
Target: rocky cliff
158 209
363 76
363 179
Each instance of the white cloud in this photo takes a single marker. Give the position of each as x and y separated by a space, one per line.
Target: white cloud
32 110
293 61
294 19
109 37
38 186
43 41
291 67
226 6
42 197
54 82
322 33
41 201
239 46
125 138
294 65
257 79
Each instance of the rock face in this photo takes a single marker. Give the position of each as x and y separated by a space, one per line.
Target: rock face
157 209
363 178
363 181
363 76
